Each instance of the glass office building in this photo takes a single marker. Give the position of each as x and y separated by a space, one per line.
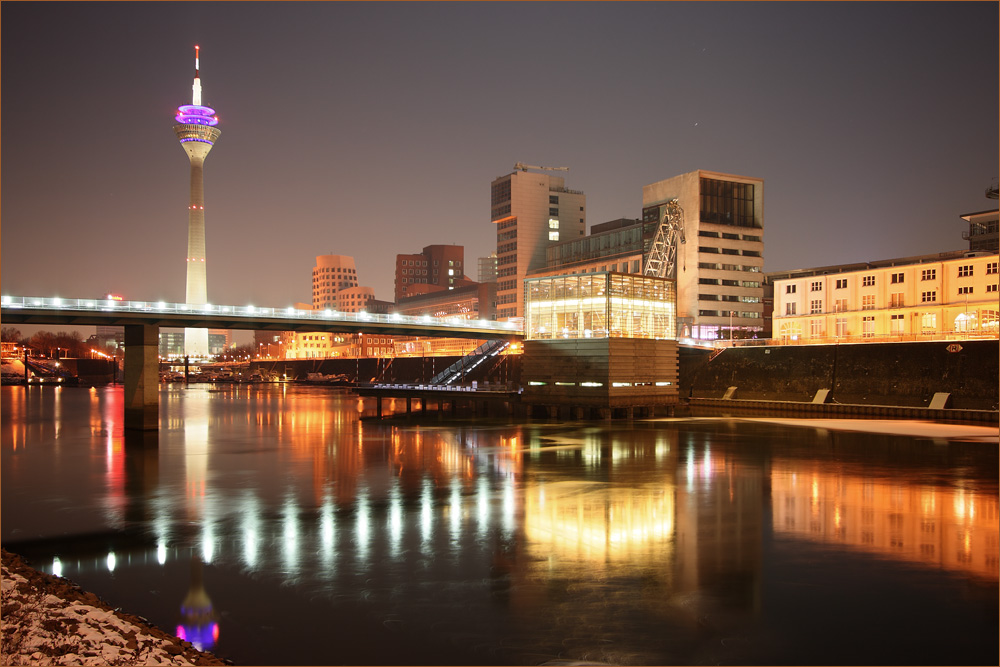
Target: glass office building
600 305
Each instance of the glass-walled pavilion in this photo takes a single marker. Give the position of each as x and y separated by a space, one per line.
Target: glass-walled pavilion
600 305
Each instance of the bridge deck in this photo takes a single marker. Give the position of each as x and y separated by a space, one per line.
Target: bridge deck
94 312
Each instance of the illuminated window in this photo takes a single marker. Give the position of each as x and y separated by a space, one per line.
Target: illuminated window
896 324
816 306
965 322
553 223
989 320
868 302
553 236
867 327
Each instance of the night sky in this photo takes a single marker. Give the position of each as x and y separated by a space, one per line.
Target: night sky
373 129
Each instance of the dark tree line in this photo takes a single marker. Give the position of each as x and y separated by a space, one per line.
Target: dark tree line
50 344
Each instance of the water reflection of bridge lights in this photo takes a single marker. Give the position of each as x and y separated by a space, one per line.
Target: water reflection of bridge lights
291 535
427 514
395 519
363 525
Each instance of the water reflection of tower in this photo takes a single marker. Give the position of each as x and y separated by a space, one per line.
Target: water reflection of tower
196 129
199 624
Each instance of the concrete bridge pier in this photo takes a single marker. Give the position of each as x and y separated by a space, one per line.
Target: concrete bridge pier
142 377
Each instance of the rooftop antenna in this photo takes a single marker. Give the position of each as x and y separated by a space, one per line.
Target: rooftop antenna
196 88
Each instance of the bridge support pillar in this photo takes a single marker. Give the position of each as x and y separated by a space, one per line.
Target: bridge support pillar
142 377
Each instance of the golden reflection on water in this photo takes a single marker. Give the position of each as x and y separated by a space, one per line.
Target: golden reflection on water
600 523
950 528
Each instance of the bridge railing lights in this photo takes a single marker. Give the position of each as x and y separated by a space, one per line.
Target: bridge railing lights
96 305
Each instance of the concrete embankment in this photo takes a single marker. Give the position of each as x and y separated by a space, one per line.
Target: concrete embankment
929 380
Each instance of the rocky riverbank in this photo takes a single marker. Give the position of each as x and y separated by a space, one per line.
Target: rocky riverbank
49 620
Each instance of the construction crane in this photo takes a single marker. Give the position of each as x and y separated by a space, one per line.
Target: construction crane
662 259
526 167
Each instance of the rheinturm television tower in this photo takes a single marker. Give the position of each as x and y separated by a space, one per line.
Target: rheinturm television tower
197 130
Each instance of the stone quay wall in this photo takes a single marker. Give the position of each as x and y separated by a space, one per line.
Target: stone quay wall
886 374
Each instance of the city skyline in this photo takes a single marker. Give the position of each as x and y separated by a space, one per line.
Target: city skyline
350 133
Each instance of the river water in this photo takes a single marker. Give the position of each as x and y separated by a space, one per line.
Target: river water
271 525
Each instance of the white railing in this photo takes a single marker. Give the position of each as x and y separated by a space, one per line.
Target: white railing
249 312
947 336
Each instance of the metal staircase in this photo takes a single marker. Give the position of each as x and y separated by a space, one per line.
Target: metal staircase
466 364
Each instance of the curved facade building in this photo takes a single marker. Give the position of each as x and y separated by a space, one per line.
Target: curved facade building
354 299
331 274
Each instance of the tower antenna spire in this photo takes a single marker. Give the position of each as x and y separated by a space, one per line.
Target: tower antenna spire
196 88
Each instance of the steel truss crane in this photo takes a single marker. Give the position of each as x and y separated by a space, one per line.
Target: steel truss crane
662 259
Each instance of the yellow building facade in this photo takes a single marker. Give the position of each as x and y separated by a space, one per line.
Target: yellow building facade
931 297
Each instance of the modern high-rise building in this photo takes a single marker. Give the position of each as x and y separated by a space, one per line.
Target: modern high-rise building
197 131
531 211
437 267
719 281
488 268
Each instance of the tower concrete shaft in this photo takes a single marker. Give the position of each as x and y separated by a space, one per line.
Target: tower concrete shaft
196 130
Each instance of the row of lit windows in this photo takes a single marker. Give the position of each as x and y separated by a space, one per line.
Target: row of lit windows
896 300
731 237
729 313
728 251
725 282
728 267
729 297
987 321
967 271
